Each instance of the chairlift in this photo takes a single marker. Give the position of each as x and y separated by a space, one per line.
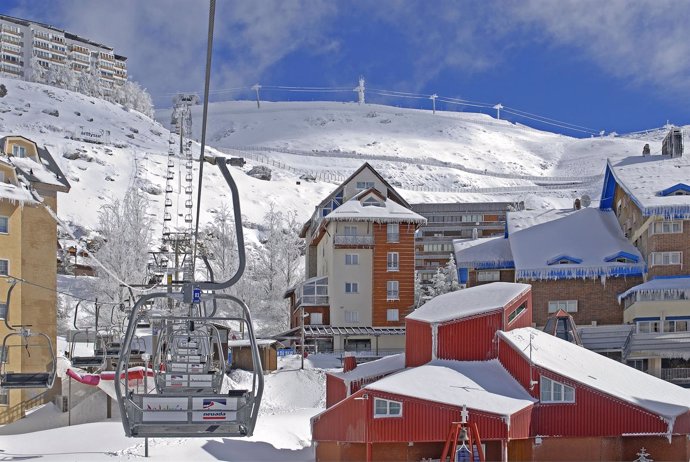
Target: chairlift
19 380
95 361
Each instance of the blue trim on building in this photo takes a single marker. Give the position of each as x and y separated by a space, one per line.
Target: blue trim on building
648 318
674 188
463 275
608 190
629 256
677 318
579 273
675 276
482 265
571 260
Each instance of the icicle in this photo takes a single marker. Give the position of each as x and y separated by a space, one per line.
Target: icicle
434 340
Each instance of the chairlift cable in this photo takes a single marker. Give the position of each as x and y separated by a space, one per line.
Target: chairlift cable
204 119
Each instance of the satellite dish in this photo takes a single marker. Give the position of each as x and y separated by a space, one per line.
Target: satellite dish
586 200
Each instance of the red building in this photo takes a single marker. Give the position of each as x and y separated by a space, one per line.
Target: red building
531 395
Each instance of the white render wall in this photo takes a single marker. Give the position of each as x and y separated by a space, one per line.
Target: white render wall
364 175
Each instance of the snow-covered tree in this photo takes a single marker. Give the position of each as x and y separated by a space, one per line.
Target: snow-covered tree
124 229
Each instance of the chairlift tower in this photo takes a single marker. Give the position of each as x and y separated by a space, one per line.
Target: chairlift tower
433 102
498 108
360 90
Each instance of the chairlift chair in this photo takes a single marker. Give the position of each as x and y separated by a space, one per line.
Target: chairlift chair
97 360
38 379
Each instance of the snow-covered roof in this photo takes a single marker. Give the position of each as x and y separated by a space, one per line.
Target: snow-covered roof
485 253
385 365
644 179
591 236
480 385
35 171
660 288
468 302
246 343
524 219
606 337
663 344
14 193
388 211
599 372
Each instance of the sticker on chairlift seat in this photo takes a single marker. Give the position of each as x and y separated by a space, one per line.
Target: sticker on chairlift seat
215 403
184 367
186 344
161 403
206 416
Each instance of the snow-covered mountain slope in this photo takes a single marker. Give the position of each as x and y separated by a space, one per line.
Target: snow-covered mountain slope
438 157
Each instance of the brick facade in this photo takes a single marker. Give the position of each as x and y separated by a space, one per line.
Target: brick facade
596 301
507 275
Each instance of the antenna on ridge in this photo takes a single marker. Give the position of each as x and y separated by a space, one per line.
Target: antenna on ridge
498 108
256 88
360 90
433 102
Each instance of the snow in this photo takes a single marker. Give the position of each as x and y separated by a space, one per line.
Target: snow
246 343
39 171
381 366
468 302
483 253
589 235
524 219
645 177
388 212
661 288
599 372
480 385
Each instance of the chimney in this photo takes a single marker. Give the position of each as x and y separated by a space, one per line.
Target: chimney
578 204
349 363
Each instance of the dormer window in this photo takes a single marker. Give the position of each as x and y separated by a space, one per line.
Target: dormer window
680 189
564 260
362 185
622 257
18 151
372 201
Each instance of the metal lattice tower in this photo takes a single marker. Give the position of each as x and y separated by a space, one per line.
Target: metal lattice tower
175 256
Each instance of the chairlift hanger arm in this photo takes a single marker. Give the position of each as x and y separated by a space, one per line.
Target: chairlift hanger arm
7 305
76 309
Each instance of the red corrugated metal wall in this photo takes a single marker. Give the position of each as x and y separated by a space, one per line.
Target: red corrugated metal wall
520 424
524 319
336 390
470 339
344 421
417 343
593 414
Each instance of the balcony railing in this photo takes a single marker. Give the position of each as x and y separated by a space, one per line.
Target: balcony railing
676 374
393 237
343 239
313 300
392 295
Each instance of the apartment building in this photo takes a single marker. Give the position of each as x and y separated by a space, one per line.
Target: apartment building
449 221
28 233
22 41
359 268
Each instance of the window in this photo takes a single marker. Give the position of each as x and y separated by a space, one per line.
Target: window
648 326
4 267
665 258
351 316
350 230
387 408
555 392
3 310
676 325
2 176
393 262
4 225
352 259
19 151
569 306
472 218
365 184
484 276
392 290
639 364
666 227
3 354
520 309
372 201
393 232
4 397
438 247
351 287
316 318
392 314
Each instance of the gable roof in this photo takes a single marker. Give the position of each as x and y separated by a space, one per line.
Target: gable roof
587 237
389 212
47 172
650 182
480 385
599 372
660 288
469 302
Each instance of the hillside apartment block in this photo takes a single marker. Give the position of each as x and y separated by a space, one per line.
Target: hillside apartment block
359 268
28 233
21 40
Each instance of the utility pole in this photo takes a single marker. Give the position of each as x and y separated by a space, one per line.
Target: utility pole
498 108
256 88
433 102
301 315
360 90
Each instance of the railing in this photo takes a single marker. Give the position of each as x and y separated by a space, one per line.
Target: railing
314 300
18 411
393 237
676 374
392 295
342 239
392 268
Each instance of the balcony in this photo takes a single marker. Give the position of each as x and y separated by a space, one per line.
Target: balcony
10 31
392 295
344 239
314 292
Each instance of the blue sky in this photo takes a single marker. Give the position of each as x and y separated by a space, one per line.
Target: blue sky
615 65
